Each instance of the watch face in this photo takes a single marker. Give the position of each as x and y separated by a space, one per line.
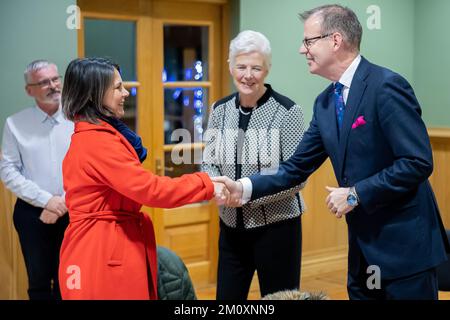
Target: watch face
351 200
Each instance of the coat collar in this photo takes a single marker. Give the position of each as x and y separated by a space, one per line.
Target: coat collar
347 76
83 126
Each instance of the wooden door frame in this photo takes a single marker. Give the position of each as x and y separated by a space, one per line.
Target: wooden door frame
216 53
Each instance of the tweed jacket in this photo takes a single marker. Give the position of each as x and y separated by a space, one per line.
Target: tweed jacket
275 128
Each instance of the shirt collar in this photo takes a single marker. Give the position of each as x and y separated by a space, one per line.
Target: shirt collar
59 116
347 76
43 116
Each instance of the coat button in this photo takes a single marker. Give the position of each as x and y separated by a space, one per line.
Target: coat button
345 181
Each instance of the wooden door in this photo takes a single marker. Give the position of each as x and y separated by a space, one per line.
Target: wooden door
187 80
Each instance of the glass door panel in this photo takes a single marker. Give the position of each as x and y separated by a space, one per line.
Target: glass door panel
116 40
186 94
185 114
185 53
130 108
113 39
182 161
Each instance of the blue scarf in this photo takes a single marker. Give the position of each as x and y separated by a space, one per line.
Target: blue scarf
131 136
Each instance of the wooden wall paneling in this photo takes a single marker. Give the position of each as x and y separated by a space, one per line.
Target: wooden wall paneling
13 275
321 230
440 178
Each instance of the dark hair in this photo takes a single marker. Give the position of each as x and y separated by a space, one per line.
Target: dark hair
85 83
340 19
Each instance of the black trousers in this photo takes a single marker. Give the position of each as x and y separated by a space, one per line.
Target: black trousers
40 245
274 251
420 286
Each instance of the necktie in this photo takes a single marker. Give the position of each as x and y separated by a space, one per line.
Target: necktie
339 103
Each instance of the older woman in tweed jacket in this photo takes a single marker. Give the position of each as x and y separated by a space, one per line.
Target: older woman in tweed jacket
248 132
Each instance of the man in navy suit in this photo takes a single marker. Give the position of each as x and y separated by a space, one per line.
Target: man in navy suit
368 122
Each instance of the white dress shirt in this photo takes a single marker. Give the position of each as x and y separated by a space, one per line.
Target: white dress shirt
347 76
34 146
346 80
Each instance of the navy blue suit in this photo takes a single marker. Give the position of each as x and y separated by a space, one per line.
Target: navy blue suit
397 225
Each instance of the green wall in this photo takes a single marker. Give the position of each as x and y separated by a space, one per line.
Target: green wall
432 65
406 43
31 30
412 41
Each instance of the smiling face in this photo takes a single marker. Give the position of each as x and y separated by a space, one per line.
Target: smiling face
319 52
44 85
249 72
115 96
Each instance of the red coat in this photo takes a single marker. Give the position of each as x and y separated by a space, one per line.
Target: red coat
109 243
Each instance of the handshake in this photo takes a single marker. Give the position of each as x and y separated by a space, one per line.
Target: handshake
227 192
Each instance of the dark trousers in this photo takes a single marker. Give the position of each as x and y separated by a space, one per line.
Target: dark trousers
274 251
419 286
40 245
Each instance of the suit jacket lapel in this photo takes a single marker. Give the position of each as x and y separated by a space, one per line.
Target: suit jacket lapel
357 88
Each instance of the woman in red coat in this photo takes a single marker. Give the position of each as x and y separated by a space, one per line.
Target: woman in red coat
109 249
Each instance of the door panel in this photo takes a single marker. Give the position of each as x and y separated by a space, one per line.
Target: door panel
189 82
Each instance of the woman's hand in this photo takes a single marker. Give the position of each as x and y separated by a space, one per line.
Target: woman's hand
234 188
221 193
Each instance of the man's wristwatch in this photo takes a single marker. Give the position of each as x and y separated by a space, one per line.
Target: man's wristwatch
352 198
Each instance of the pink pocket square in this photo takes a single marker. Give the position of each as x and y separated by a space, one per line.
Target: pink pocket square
359 122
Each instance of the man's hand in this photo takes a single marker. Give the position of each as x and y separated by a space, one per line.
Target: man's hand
337 201
57 205
48 217
234 187
221 193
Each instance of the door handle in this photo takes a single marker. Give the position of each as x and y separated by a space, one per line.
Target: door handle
159 167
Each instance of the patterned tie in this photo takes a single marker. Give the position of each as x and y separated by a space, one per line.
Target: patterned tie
339 103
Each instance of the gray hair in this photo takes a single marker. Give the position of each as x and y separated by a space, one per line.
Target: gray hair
35 66
249 41
336 18
296 295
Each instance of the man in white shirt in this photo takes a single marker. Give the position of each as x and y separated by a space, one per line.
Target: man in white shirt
35 141
368 122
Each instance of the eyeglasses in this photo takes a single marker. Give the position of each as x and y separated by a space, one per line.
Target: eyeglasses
308 42
47 82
